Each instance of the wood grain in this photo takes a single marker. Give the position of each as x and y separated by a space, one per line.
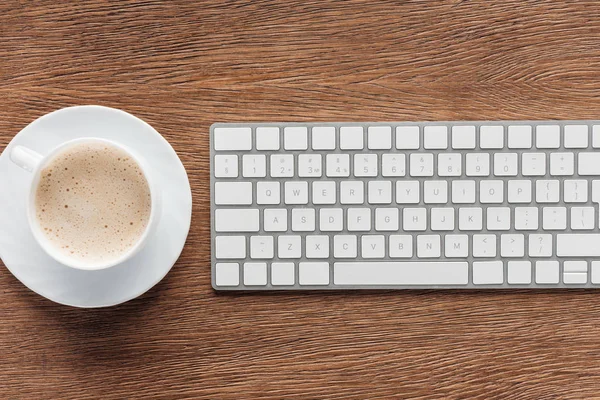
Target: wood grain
183 65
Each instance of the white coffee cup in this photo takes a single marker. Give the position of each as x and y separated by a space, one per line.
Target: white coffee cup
34 162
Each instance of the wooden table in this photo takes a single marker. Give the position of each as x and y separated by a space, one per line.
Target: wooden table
184 65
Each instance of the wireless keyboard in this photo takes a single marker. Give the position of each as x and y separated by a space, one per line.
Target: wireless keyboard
405 205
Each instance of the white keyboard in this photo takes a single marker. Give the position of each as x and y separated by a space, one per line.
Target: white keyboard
405 205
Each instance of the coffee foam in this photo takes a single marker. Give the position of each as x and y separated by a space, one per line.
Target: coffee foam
93 202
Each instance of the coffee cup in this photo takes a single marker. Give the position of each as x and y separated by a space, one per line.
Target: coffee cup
95 190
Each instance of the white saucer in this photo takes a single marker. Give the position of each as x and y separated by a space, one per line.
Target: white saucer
26 260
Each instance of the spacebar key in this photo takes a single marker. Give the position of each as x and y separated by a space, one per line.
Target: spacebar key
400 273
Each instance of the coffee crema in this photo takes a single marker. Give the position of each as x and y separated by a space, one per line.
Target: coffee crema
93 202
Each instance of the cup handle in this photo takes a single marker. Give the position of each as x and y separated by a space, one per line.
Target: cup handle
25 158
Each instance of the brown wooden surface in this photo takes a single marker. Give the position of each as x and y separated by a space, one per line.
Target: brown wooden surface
184 65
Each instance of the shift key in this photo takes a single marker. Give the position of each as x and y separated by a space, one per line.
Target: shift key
578 245
235 220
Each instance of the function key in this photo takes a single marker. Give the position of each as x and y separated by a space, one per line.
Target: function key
547 136
267 138
491 137
463 137
576 136
379 137
295 138
407 137
351 138
323 138
519 137
436 137
235 138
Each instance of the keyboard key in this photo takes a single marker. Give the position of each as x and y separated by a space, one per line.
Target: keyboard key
491 137
519 137
352 192
386 219
547 191
575 278
576 136
289 246
359 219
596 136
470 219
456 246
331 219
526 218
546 272
519 191
421 164
323 138
582 218
435 192
296 193
303 220
393 165
323 192
268 193
234 220
401 246
488 273
491 192
282 274
275 220
498 218
463 137
555 218
261 247
400 273
442 219
596 272
435 137
373 246
255 274
230 139
414 219
484 246
365 165
478 164
533 164
351 138
295 138
309 166
317 246
230 247
519 272
578 245
512 245
407 138
226 166
227 274
547 136
344 246
338 165
463 192
380 192
379 137
282 165
233 193
407 192
505 164
449 165
313 273
562 164
429 246
575 191
254 166
540 245
589 164
267 138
